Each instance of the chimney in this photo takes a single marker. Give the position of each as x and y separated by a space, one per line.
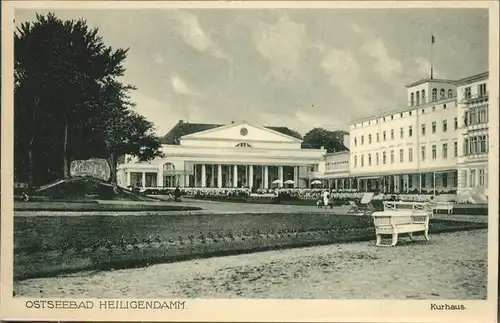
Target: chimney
232 122
181 121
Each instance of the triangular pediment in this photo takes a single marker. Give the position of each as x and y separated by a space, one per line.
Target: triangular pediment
243 132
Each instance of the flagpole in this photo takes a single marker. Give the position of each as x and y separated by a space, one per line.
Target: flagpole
432 58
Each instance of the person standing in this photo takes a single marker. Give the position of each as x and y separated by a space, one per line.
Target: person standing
326 196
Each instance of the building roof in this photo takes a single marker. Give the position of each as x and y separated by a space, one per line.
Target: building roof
473 78
186 128
429 80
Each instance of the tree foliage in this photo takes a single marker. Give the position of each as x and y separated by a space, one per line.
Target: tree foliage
332 141
69 103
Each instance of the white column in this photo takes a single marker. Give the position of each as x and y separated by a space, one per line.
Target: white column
280 175
143 179
235 175
186 180
195 175
250 176
434 182
266 177
203 175
212 176
128 177
219 175
159 176
477 176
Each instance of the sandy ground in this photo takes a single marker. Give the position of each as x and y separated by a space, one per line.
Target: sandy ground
450 266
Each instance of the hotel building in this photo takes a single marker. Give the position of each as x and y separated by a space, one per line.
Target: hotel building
437 143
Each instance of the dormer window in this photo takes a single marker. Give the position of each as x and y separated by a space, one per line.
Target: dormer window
434 94
412 99
450 94
418 97
423 96
243 145
442 94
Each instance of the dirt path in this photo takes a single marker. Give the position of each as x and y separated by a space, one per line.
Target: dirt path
450 266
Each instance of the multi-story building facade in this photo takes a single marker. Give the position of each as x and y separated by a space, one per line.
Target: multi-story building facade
419 148
473 131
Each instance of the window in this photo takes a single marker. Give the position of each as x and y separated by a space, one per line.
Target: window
418 97
362 160
467 93
384 135
445 125
445 151
384 159
442 94
433 109
409 113
369 159
450 94
355 141
433 126
472 180
401 132
455 149
466 118
400 115
362 140
370 138
455 121
423 130
422 153
401 155
423 111
481 89
444 106
392 156
410 131
378 139
434 94
410 155
355 161
482 182
392 117
444 179
243 145
434 152
482 144
423 96
377 157
412 99
392 134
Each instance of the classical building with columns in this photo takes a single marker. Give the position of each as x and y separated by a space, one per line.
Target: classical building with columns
225 156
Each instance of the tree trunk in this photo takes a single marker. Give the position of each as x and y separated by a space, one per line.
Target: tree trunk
112 167
31 165
65 148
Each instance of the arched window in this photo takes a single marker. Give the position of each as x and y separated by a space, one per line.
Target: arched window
243 145
418 97
168 167
434 94
423 97
412 99
442 94
450 93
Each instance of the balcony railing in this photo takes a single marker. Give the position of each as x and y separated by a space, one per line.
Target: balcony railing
476 98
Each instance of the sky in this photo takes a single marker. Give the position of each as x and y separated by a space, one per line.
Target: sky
299 68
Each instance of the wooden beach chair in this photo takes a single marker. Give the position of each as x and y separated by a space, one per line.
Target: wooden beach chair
365 205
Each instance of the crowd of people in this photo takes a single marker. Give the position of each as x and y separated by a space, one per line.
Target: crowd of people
292 193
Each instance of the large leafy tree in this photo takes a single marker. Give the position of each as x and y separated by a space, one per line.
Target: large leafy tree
69 102
332 141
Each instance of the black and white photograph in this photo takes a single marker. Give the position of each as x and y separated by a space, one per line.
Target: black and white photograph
252 153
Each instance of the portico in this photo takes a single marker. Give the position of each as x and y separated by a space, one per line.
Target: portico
233 156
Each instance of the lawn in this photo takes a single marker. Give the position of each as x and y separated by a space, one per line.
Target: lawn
48 245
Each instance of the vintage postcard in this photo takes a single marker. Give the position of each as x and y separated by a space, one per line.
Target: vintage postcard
250 161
